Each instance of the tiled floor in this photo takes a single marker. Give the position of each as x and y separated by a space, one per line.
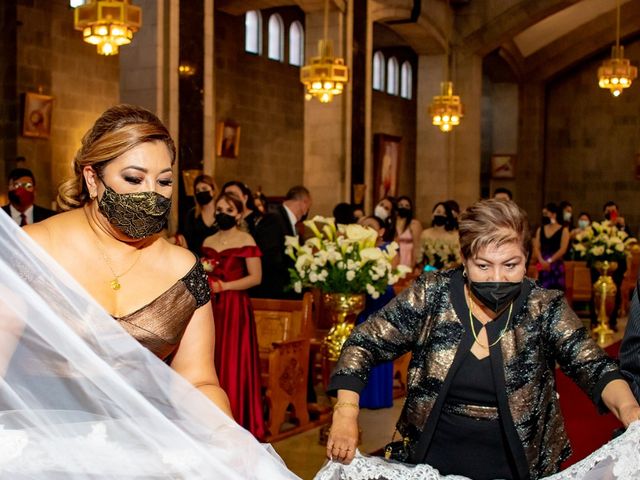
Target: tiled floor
304 455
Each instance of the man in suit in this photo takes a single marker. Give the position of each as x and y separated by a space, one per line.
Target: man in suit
270 236
630 346
22 192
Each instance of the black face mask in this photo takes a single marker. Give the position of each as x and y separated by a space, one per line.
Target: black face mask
439 220
495 295
404 212
224 221
546 220
137 215
204 197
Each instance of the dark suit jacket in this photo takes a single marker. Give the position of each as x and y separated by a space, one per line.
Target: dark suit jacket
39 213
630 347
269 235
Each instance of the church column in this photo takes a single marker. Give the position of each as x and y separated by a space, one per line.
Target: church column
149 71
326 128
433 147
467 78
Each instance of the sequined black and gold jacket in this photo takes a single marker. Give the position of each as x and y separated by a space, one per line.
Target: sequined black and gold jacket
428 319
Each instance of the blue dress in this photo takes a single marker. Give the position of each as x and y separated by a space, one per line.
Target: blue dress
378 393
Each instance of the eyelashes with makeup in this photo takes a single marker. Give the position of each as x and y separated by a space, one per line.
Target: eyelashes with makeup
138 181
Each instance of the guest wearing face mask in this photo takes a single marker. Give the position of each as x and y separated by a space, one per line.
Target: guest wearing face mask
584 221
22 193
200 221
485 341
233 263
549 247
386 210
442 228
566 210
408 230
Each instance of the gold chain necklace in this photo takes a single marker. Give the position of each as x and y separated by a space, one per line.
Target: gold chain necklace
115 283
473 329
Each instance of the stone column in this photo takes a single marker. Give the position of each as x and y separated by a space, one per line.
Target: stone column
433 147
208 156
149 71
467 78
529 192
325 147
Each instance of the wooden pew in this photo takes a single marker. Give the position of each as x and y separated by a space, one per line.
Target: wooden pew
284 330
578 287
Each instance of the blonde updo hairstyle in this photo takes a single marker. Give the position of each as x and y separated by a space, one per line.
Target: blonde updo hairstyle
493 222
118 130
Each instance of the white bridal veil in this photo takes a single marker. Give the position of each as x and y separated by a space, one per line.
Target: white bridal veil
80 398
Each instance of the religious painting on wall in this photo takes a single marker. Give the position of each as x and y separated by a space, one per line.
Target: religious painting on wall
386 162
228 139
503 166
37 115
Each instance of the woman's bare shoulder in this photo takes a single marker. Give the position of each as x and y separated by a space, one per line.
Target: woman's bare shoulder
46 232
177 259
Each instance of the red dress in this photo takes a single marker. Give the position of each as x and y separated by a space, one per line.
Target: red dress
236 354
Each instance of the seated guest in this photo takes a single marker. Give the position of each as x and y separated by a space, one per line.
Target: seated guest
22 193
270 236
343 214
358 212
485 341
200 221
584 222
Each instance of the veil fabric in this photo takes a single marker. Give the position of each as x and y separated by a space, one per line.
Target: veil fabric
80 398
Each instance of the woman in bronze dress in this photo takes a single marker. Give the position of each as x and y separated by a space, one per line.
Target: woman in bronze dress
485 342
110 241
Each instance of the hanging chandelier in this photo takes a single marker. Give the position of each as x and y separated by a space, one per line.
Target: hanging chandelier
446 109
108 24
326 76
617 73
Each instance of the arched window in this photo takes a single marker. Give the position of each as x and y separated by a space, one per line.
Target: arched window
392 76
406 80
276 37
378 71
296 44
253 32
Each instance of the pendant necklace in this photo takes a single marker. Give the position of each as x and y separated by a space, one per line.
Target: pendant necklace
473 329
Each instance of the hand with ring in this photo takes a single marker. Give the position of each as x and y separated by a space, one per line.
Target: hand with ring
343 437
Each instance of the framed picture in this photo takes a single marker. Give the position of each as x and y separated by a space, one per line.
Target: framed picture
37 115
503 166
227 139
189 177
386 162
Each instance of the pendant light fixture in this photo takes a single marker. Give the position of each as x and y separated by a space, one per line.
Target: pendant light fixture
617 73
446 109
326 75
108 24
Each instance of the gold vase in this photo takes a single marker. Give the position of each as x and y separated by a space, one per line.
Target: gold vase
343 307
604 294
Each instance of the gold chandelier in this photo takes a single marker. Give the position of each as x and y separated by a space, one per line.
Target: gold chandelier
446 109
108 24
326 76
616 73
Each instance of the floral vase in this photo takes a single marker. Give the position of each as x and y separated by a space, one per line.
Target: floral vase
604 292
344 308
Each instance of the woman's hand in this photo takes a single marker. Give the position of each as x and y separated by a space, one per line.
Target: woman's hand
343 437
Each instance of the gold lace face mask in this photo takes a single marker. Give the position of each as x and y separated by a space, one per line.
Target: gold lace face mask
137 215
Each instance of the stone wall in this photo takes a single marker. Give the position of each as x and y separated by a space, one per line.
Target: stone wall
266 99
53 59
592 142
9 103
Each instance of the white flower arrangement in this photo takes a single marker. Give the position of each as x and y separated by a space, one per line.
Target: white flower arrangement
441 253
603 241
342 259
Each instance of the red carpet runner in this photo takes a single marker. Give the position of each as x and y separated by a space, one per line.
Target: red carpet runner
587 430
